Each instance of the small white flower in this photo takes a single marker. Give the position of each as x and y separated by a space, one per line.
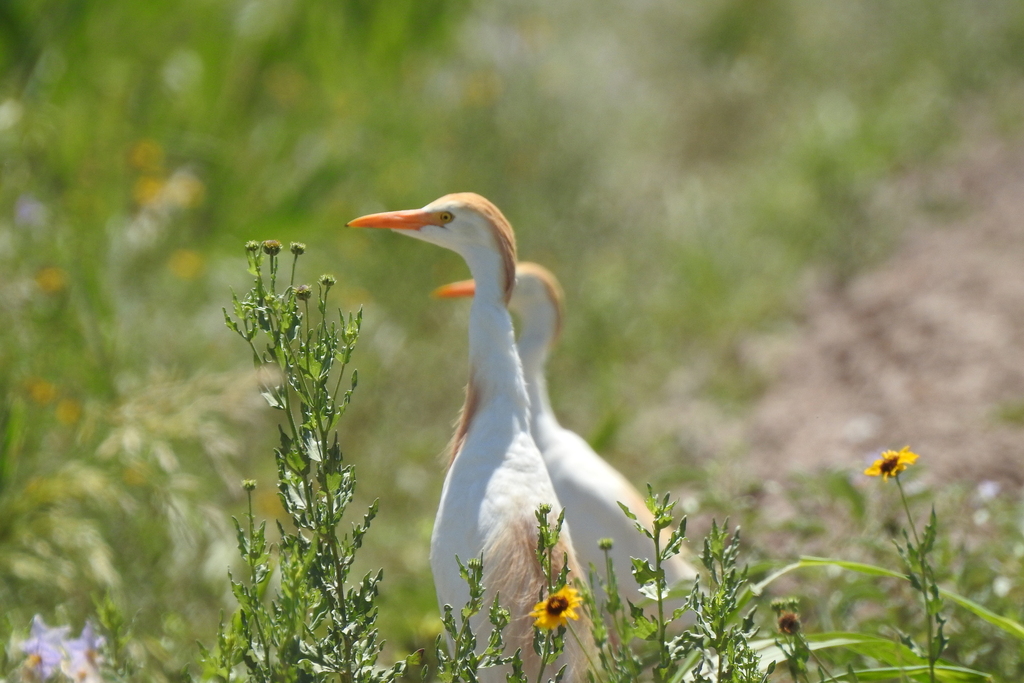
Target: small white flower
988 489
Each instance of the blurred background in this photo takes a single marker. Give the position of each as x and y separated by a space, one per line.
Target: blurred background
694 173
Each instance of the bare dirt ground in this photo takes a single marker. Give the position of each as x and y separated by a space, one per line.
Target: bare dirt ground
926 349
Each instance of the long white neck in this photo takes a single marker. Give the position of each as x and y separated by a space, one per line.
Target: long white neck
494 365
534 342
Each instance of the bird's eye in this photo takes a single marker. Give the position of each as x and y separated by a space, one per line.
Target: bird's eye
445 217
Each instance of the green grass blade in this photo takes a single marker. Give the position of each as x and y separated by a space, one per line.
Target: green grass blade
1014 628
947 674
859 567
897 656
884 650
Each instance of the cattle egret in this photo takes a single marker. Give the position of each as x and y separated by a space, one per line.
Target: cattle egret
586 485
497 478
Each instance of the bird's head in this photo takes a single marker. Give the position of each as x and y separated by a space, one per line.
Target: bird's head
537 298
465 222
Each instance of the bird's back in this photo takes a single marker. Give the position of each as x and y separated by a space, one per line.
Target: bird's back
590 489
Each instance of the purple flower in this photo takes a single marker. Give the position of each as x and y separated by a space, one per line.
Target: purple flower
30 212
49 650
43 649
83 656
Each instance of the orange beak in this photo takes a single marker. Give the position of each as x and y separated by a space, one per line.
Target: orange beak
455 290
395 220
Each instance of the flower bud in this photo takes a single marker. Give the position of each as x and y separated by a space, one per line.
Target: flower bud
605 544
303 292
787 615
789 623
252 245
272 247
298 248
327 280
249 484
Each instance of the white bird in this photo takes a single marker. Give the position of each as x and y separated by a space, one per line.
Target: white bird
497 478
588 487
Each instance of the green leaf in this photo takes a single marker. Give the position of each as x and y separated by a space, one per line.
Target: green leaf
884 650
272 397
901 660
1014 628
333 481
232 325
644 628
852 566
312 446
643 572
650 591
626 510
1008 625
947 674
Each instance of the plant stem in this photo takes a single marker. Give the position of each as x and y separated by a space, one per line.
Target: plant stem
818 661
253 582
544 656
924 581
906 507
662 646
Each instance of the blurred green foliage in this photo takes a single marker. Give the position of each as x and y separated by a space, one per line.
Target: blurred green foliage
678 165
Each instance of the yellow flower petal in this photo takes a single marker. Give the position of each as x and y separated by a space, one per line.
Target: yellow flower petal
41 391
892 463
186 264
557 609
68 411
147 189
51 279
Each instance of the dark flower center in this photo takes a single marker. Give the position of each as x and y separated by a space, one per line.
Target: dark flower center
789 623
889 464
557 604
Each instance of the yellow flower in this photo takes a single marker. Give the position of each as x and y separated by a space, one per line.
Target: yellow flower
148 189
892 463
68 411
41 391
552 613
186 264
51 279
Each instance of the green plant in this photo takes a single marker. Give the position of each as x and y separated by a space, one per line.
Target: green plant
549 642
901 657
552 615
319 623
718 645
793 643
720 629
462 662
915 555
